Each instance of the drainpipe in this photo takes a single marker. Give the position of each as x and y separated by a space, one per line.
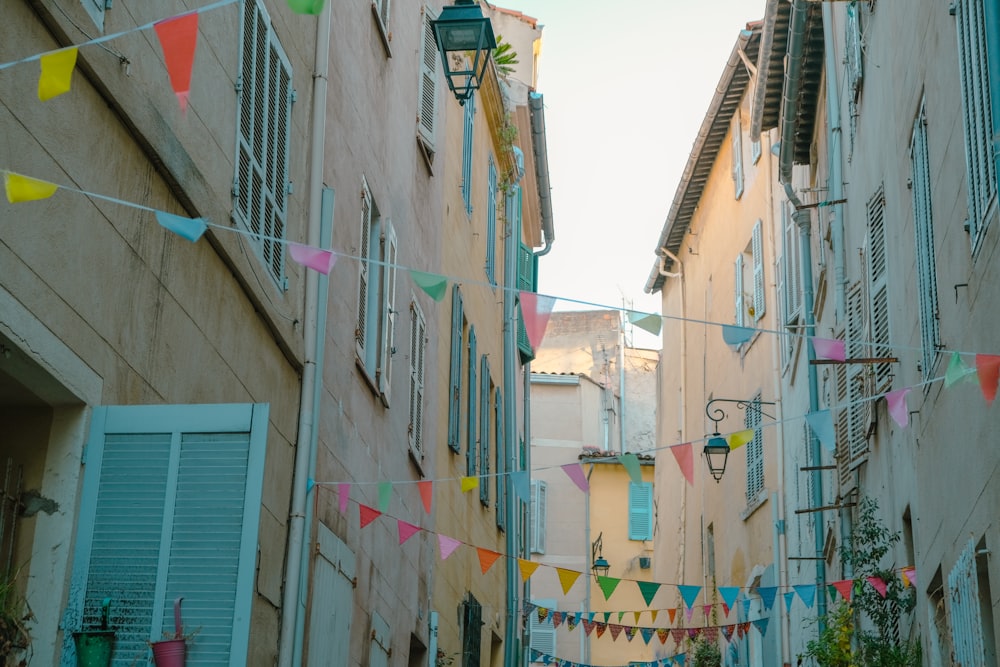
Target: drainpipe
790 92
293 598
536 104
621 388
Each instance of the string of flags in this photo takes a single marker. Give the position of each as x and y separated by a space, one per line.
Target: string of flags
546 659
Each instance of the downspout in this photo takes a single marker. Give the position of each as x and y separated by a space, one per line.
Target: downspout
536 104
294 598
621 389
790 92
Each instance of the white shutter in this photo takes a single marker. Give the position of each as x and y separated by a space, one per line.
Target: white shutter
858 384
738 274
387 326
543 635
737 148
538 511
381 8
757 244
966 619
361 332
379 650
793 267
427 116
418 347
854 55
930 336
879 289
332 594
485 424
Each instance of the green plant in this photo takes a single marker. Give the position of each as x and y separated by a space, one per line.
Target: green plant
15 616
442 659
504 57
833 646
706 653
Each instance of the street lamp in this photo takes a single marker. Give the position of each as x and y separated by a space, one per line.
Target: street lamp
600 566
716 452
465 39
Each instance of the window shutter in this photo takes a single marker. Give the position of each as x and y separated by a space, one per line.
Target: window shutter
879 288
843 420
527 266
738 274
467 138
470 462
966 618
382 8
543 635
854 55
361 332
418 347
924 229
538 516
737 145
485 422
501 462
858 385
793 267
754 450
388 324
455 373
472 632
757 243
380 648
491 223
333 601
170 507
427 118
640 511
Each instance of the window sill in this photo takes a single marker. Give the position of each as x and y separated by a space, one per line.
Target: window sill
754 505
384 34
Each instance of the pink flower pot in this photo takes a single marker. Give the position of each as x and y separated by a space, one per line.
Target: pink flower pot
169 653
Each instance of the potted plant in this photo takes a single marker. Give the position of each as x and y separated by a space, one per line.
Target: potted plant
172 651
706 654
94 647
15 615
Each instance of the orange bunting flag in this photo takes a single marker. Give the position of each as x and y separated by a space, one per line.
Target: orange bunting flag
368 514
988 367
178 38
527 568
567 578
469 483
486 558
426 488
21 188
57 73
682 453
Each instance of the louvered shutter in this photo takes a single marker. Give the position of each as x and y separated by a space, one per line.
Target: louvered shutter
427 116
455 373
501 462
965 619
785 337
793 268
543 634
754 451
332 593
738 280
470 436
854 65
737 148
842 423
491 223
418 346
640 511
858 384
467 139
879 289
380 648
170 507
538 516
361 332
382 9
527 268
485 422
472 632
757 246
923 227
388 324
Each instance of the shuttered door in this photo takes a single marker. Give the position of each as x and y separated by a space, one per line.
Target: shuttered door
455 372
757 245
640 511
965 619
170 508
332 602
470 436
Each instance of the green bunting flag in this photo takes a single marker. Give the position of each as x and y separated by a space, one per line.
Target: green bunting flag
608 586
432 283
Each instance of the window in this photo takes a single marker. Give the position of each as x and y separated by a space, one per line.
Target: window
170 506
974 72
455 374
710 550
640 511
737 140
755 451
757 251
538 511
786 339
543 635
333 598
491 224
485 427
427 115
380 648
418 348
749 269
878 287
501 459
470 114
470 433
472 631
264 102
380 10
854 66
923 226
376 293
95 8
971 618
738 270
792 252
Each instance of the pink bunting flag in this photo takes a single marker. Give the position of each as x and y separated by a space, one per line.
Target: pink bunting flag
910 575
447 545
575 473
536 311
988 367
829 348
312 258
368 514
426 488
406 530
897 406
343 495
878 584
844 587
682 454
178 38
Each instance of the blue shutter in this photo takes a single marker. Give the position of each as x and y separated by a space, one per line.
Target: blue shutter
332 593
924 228
484 431
640 511
501 465
470 113
170 507
738 288
455 375
527 270
491 224
471 407
737 147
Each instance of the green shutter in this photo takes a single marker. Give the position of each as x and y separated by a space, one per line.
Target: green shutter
527 279
455 381
640 511
471 407
501 465
485 423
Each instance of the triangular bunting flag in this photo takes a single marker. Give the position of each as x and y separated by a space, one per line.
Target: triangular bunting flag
469 483
543 613
56 73
672 614
729 594
368 514
689 594
897 406
910 575
744 628
521 481
988 368
740 438
384 496
187 228
608 586
725 609
678 635
567 578
179 37
727 632
406 530
631 464
734 335
601 628
527 568
693 633
746 606
829 348
557 619
436 286
761 625
807 592
343 495
607 616
648 321
313 7
662 634
637 614
707 610
653 613
630 631
767 595
957 370
789 596
711 634
486 558
878 584
536 310
615 630
426 488
821 424
621 615
683 456
575 472
588 627
648 590
21 188
312 258
571 621
447 545
844 587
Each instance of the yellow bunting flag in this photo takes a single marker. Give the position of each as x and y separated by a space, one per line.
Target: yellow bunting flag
567 578
637 613
527 568
21 188
486 558
740 438
653 612
57 72
469 483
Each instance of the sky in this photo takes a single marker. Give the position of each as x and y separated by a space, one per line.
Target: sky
626 86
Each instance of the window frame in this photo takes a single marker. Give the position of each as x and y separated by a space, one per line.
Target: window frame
923 226
468 140
427 92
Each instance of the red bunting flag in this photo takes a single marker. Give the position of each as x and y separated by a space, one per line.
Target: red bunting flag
878 584
368 514
601 628
615 630
844 588
486 558
178 38
536 311
672 613
406 530
678 635
557 619
682 453
988 367
426 488
588 627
